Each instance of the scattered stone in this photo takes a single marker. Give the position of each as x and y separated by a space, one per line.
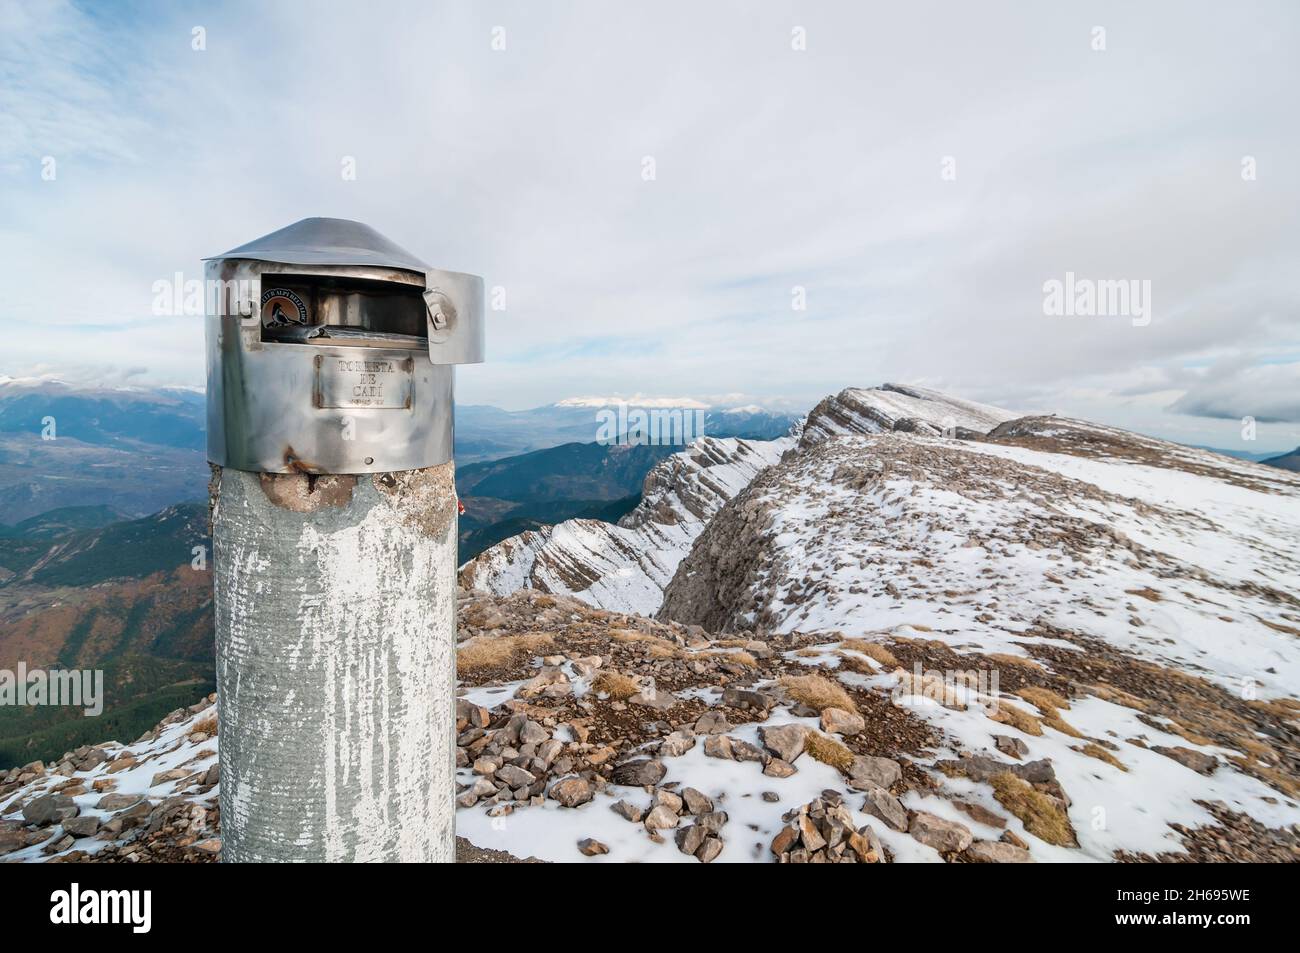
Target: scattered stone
515 777
842 722
115 802
822 832
571 792
809 835
590 847
997 852
881 804
533 734
784 840
163 777
744 751
944 836
710 849
867 770
84 825
661 818
713 822
655 698
980 814
669 799
49 809
746 700
1012 747
628 810
983 768
1008 837
550 682
712 723
1198 761
719 746
639 773
784 741
676 744
697 802
776 768
689 839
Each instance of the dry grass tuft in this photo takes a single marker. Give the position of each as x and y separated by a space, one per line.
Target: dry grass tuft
827 750
1020 660
1278 707
1270 775
656 646
1039 813
616 685
1187 733
1009 714
1117 696
1101 754
207 725
1146 592
817 691
1043 698
1279 627
482 652
1054 720
808 653
872 650
740 658
1048 702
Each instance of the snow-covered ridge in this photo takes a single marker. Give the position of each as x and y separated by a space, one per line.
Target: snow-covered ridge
627 566
891 407
1151 585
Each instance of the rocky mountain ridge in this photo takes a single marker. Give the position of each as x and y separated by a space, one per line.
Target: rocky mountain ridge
628 564
627 567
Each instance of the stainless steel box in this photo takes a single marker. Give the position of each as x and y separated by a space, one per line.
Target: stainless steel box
331 350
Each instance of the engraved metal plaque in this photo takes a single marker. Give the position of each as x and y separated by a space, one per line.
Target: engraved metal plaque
371 380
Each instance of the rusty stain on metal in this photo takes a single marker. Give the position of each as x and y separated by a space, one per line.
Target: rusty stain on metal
295 463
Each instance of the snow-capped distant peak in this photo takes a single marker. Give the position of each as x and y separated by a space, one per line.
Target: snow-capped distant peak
746 409
688 403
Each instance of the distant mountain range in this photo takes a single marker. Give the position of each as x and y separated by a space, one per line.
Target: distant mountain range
138 450
1287 461
486 433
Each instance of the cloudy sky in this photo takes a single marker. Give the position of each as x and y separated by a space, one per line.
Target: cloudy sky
919 173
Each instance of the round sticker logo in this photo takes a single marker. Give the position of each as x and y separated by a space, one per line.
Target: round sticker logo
281 308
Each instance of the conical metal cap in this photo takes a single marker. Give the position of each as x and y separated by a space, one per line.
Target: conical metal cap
327 241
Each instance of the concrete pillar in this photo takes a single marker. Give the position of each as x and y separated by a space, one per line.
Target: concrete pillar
335 620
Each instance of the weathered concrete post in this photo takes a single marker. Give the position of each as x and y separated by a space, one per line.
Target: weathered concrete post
334 512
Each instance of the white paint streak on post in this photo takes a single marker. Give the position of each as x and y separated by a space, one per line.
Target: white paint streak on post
335 621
